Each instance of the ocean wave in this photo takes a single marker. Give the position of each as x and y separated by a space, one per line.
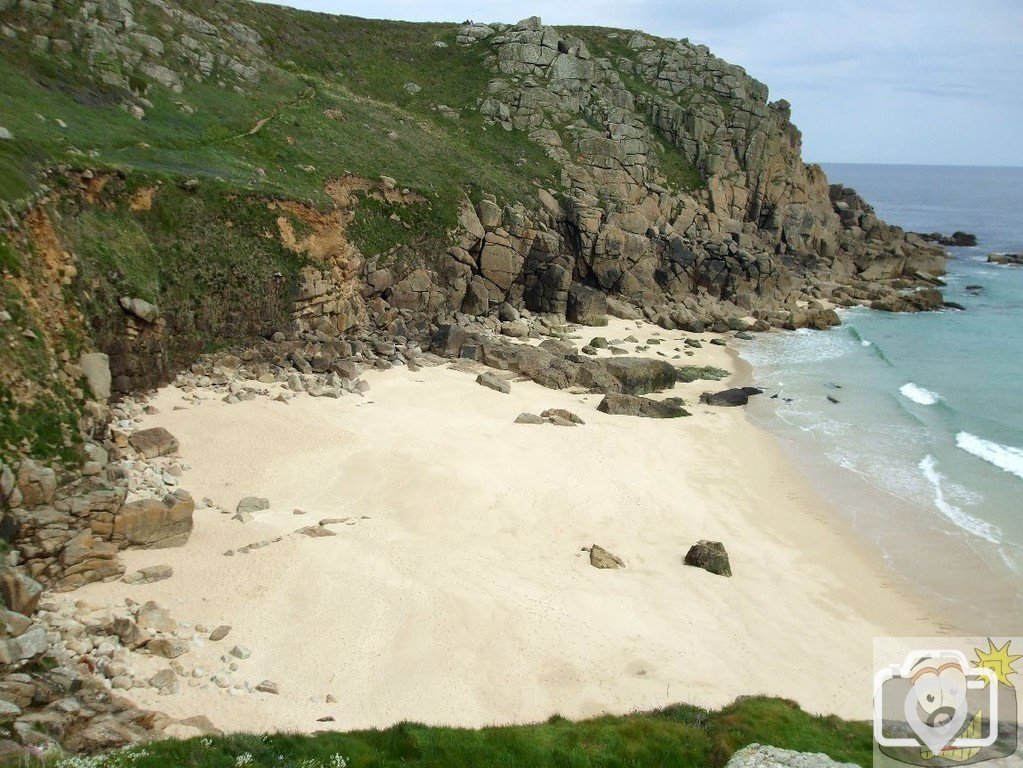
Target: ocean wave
962 519
918 394
1005 457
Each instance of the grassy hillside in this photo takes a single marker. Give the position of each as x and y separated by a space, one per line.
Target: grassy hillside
676 737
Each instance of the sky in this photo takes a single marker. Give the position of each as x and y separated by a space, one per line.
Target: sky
902 81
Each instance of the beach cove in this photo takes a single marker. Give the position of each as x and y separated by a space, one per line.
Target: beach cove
456 590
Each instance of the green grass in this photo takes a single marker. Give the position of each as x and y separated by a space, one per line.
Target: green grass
676 737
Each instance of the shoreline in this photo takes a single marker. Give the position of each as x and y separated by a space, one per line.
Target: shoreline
952 572
456 588
872 556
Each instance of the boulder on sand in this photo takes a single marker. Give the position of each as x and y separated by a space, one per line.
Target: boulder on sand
155 523
709 555
601 558
494 382
153 442
586 306
633 405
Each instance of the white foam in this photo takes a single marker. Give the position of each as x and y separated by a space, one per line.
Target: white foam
1004 457
866 343
919 394
962 519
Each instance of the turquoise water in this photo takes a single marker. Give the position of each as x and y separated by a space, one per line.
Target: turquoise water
924 449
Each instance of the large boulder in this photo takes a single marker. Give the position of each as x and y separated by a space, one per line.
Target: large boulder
640 375
155 523
153 442
632 405
586 306
709 555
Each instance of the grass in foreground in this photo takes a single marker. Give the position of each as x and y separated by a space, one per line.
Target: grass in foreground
678 736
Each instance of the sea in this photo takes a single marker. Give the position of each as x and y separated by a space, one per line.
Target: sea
920 446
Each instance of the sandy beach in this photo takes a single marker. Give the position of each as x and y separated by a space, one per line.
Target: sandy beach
458 592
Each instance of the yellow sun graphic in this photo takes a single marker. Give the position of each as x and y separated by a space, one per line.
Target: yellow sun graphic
998 660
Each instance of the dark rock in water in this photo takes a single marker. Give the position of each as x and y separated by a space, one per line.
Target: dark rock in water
832 385
709 555
730 397
956 239
1010 259
719 342
631 405
586 306
745 336
954 305
974 290
833 399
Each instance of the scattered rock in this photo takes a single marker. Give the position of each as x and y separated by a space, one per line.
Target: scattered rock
252 504
528 418
561 417
219 633
168 647
241 652
709 555
6 135
149 575
153 442
152 616
268 687
494 382
601 558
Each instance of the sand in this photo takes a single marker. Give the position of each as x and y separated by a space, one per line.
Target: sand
458 593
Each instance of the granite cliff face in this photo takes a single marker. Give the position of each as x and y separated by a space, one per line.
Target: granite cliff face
745 228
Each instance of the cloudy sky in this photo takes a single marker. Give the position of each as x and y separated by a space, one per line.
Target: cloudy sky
900 81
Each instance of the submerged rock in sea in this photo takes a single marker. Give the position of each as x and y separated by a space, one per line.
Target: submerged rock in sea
1011 259
709 555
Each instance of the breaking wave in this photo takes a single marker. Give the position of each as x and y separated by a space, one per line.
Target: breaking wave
962 519
1005 457
918 394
